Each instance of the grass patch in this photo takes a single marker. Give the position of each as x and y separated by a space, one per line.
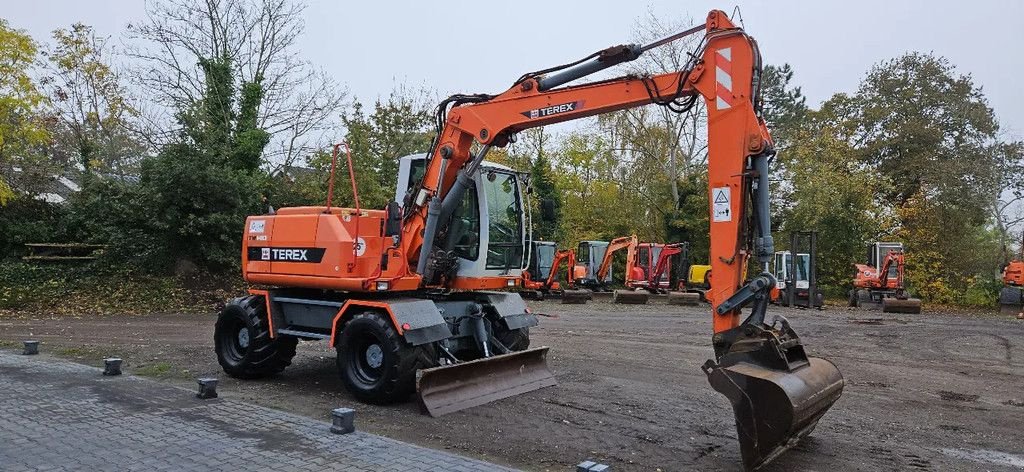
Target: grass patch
158 369
94 289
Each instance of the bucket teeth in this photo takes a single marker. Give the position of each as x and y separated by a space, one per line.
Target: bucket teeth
455 387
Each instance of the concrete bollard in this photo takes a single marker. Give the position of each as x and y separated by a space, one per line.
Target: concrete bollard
343 420
591 466
31 348
112 366
207 388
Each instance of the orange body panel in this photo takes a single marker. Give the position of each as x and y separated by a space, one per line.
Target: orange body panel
1013 274
382 306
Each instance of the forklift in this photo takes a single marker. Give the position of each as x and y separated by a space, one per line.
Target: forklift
796 272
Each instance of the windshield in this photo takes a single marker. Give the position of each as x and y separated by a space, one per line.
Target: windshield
803 266
505 240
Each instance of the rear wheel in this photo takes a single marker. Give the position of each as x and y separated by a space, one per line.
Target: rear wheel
375 363
242 339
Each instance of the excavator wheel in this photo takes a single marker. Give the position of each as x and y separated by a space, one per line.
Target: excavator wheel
630 297
683 298
513 339
575 297
897 305
1011 301
243 344
375 363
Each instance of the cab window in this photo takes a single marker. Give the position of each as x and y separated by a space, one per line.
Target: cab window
464 231
505 241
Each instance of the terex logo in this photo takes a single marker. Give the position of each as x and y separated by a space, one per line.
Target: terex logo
553 110
297 255
286 254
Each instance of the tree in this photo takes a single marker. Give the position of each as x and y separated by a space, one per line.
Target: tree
397 127
546 222
784 104
91 105
299 105
22 125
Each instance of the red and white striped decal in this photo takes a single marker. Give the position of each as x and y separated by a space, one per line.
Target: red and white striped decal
723 78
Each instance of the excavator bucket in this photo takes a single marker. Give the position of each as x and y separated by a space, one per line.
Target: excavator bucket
906 305
455 387
775 408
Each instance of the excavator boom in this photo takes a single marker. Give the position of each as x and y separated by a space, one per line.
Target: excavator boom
778 393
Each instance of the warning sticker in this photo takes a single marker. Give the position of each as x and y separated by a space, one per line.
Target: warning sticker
721 204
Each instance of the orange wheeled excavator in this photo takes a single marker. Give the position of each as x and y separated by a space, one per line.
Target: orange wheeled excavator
880 281
406 294
1011 296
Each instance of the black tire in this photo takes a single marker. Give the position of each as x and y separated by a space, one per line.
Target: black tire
513 339
242 340
853 298
385 374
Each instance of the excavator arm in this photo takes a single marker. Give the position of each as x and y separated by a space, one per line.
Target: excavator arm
662 265
778 393
568 256
629 243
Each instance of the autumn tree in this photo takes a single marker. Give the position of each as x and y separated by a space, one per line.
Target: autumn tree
93 110
23 128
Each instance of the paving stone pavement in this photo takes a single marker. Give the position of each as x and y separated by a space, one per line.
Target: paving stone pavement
58 415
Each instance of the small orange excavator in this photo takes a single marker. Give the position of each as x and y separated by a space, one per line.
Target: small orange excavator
880 281
407 294
1011 297
550 285
635 274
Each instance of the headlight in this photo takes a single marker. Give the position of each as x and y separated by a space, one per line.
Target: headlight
383 285
510 282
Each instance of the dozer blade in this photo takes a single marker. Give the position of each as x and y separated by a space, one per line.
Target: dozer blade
455 387
774 408
575 297
895 305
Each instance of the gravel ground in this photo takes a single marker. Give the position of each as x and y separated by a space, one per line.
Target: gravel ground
935 391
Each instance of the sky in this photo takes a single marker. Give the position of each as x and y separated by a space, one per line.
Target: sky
482 46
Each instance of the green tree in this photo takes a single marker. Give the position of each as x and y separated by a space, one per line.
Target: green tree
545 191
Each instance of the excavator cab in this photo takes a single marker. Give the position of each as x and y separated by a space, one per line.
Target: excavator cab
488 233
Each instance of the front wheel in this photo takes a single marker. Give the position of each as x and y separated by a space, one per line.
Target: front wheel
375 363
513 339
242 340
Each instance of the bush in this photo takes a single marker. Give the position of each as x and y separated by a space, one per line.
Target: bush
27 220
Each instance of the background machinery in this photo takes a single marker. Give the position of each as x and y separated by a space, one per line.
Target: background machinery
798 276
541 259
406 294
543 281
589 255
1011 296
602 275
880 282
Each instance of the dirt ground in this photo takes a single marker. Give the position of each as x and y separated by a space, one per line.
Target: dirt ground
935 391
